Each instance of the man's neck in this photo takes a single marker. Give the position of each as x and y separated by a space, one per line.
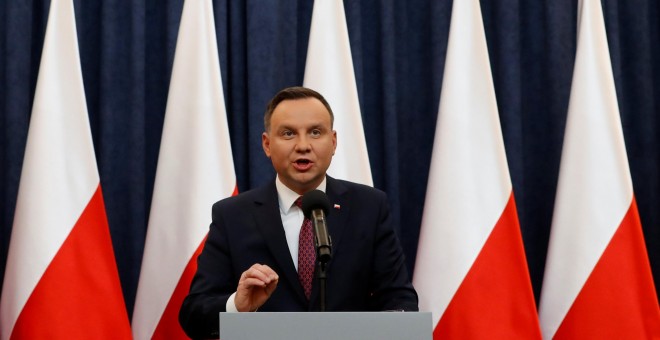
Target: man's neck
287 196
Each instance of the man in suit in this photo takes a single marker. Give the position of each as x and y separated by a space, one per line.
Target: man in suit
250 259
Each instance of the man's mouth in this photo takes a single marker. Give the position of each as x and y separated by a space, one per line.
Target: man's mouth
302 164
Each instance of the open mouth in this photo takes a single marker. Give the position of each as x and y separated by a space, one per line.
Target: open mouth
302 164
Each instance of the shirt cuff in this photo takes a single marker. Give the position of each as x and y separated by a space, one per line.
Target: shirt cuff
231 305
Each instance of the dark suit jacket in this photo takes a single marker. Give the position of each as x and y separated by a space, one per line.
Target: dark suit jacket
367 271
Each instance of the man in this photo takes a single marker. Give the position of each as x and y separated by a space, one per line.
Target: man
250 259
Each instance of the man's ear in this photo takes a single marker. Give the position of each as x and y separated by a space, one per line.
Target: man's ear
334 141
265 143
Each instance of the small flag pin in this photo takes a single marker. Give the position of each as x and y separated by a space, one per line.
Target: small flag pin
337 206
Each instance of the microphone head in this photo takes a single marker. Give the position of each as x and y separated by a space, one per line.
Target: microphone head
315 199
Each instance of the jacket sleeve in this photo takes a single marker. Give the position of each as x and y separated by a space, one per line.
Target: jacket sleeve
212 284
391 288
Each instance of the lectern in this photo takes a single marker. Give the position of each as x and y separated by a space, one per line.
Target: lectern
326 325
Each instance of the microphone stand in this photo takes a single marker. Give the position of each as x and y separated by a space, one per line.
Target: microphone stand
321 275
323 244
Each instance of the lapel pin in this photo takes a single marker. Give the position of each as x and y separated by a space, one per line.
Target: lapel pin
337 206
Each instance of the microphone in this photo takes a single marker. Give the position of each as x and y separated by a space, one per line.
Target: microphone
316 206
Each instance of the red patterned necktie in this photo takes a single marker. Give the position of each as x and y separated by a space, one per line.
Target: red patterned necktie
306 254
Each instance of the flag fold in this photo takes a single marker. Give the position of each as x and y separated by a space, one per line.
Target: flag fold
61 280
597 281
329 70
195 169
471 270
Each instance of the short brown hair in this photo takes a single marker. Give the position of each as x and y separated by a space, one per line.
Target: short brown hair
293 93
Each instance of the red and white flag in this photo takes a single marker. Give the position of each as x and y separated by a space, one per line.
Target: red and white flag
329 70
61 280
471 270
195 169
597 282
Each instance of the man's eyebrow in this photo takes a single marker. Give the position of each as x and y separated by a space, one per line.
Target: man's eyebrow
318 126
285 127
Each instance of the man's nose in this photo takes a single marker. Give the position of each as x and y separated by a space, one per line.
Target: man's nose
303 143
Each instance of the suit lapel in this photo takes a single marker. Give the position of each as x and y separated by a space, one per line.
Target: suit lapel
337 222
337 218
269 223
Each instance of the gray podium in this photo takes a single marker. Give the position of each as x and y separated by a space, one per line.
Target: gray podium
326 325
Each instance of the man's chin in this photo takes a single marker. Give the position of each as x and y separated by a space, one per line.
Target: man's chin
306 181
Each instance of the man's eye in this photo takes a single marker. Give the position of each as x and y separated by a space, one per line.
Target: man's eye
316 132
287 133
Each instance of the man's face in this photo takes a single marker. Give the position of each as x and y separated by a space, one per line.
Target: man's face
300 143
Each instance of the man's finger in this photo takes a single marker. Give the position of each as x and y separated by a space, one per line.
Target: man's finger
252 282
262 272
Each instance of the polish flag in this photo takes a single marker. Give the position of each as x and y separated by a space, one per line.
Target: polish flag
61 280
329 70
195 169
597 281
471 271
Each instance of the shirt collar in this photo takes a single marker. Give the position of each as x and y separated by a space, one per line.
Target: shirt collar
287 197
